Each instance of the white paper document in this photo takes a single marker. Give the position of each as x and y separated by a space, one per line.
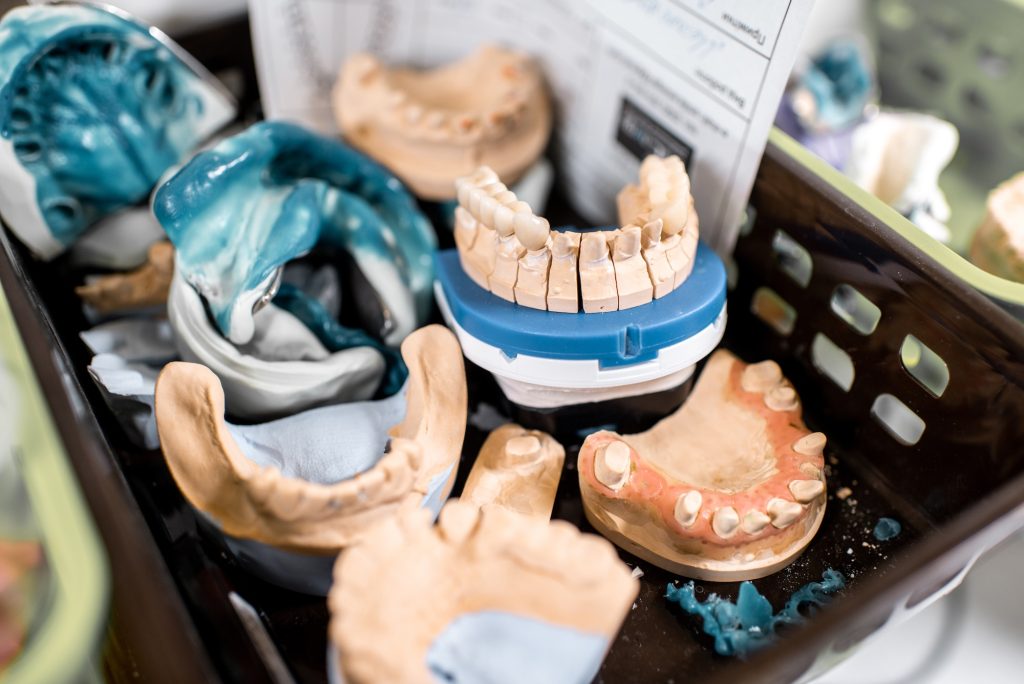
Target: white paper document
697 78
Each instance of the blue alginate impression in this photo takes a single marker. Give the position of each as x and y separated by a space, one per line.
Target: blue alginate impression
502 648
887 529
840 81
93 111
335 337
749 624
238 212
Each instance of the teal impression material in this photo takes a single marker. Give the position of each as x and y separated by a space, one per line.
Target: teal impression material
94 108
745 626
238 212
335 337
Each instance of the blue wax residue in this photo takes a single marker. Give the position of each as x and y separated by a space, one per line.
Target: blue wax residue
96 110
336 337
494 647
239 211
745 626
887 528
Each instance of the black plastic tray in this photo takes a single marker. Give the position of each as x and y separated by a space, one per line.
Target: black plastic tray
957 491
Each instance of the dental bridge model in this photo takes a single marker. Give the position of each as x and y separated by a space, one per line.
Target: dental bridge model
493 593
511 252
94 108
430 127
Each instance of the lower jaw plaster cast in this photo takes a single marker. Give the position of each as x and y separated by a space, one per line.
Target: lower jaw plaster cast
730 487
493 593
430 127
317 481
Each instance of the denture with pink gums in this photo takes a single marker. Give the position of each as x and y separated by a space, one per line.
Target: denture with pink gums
730 487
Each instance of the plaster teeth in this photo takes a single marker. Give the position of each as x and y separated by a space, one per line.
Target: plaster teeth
612 464
687 507
806 491
783 513
532 231
754 522
810 445
781 398
562 245
725 522
761 377
652 232
523 449
627 244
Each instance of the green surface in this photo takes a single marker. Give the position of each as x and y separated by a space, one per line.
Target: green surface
63 645
1007 293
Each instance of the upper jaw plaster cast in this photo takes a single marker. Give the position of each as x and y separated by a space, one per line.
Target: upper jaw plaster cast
430 127
289 489
533 600
507 249
730 487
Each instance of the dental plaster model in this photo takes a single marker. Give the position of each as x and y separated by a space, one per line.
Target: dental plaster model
493 593
144 287
898 157
238 212
431 127
316 481
998 245
508 250
730 487
94 108
517 469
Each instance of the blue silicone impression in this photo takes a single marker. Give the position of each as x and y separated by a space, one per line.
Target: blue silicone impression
749 624
96 110
614 338
502 648
272 193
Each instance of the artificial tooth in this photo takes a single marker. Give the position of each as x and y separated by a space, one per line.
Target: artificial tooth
687 507
413 114
488 205
781 398
397 98
761 377
754 522
674 213
611 465
810 445
504 219
725 522
810 470
783 513
531 230
806 491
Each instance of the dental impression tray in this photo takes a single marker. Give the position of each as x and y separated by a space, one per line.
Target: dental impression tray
563 316
432 127
94 108
730 487
316 481
493 593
